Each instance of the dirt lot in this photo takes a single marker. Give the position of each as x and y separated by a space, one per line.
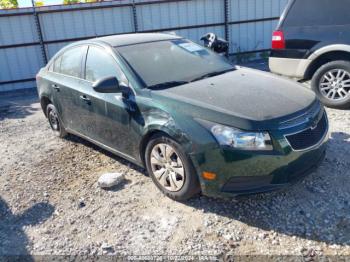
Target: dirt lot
50 202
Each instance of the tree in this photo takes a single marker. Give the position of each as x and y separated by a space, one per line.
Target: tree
69 2
39 3
5 4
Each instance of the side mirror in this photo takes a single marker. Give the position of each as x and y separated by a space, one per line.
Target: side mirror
108 85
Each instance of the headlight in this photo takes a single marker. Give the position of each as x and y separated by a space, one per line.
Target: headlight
239 139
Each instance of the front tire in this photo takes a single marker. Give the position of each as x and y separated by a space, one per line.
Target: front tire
54 121
170 168
331 83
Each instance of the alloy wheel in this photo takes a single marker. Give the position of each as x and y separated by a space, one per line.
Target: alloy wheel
335 84
167 167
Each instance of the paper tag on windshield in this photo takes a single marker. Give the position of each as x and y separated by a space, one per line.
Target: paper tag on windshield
191 47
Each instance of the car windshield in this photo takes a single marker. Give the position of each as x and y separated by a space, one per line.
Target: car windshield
173 62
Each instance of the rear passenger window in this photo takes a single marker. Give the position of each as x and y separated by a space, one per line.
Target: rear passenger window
71 62
100 64
318 12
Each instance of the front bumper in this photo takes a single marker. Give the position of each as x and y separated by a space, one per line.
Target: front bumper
242 173
282 178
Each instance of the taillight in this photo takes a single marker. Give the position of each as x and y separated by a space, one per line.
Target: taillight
278 41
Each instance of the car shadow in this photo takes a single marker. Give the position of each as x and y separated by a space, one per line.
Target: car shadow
18 107
79 140
317 208
13 239
120 186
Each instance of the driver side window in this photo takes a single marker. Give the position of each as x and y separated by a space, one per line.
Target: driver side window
100 64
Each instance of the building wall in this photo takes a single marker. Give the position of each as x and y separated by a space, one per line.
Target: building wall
249 26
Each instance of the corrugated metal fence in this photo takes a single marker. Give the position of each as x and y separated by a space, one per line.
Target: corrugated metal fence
28 39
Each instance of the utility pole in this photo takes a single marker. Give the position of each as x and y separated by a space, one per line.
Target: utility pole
134 12
39 32
227 29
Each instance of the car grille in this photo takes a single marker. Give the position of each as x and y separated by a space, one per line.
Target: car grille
310 137
310 114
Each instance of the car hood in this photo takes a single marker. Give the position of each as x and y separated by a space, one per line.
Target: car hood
244 93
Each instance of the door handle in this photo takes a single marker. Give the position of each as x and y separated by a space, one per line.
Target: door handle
85 98
56 87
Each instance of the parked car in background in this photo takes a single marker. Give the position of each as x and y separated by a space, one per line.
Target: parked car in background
194 120
312 42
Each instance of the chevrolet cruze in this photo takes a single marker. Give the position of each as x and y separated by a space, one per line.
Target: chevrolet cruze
196 122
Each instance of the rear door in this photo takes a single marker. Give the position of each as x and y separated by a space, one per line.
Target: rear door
66 88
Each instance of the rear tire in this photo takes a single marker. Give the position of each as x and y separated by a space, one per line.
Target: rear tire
331 83
55 122
170 168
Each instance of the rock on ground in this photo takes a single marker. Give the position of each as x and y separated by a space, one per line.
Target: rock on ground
109 180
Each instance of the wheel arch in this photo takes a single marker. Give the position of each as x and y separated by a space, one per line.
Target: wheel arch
44 102
325 58
145 140
170 131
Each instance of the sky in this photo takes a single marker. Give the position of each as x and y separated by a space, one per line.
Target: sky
27 3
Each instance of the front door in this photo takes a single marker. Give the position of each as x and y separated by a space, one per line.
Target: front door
108 114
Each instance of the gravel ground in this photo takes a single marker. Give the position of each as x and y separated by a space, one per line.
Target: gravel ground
50 202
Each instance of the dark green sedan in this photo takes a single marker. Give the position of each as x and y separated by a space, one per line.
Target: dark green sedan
196 122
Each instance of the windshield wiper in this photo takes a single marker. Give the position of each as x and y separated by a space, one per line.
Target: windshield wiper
167 85
212 74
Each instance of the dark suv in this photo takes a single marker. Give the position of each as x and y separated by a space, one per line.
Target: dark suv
312 42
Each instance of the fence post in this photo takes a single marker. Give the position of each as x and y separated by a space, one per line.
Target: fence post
136 27
39 32
227 33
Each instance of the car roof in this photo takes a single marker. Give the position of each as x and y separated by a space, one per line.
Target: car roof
136 38
122 40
